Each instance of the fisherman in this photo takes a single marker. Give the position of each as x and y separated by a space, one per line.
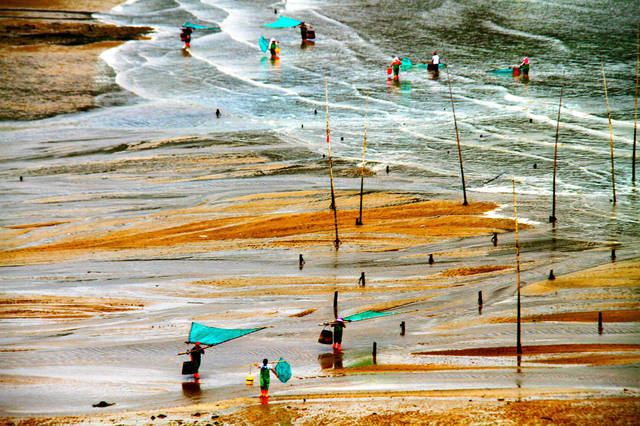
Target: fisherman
196 353
435 59
395 65
185 36
524 67
338 325
303 31
265 378
273 47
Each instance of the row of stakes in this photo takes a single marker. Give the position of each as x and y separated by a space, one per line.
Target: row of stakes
494 239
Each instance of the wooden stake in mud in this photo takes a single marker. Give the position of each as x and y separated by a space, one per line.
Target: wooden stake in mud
600 323
333 195
515 214
364 148
606 97
635 113
552 218
455 123
375 353
335 304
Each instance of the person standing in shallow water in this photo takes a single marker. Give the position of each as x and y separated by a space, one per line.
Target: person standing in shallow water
524 67
185 36
196 355
265 379
338 325
395 65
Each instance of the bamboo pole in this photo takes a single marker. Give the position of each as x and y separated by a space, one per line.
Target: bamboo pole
333 196
515 214
455 123
635 113
552 218
606 97
364 148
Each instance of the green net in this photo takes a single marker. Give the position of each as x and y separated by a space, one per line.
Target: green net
200 27
366 315
284 22
283 370
213 336
264 44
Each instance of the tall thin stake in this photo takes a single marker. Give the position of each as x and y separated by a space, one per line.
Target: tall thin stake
333 196
364 148
515 213
552 218
455 122
606 97
635 113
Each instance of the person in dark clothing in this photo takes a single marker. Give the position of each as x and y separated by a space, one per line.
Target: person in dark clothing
185 36
338 325
303 31
196 354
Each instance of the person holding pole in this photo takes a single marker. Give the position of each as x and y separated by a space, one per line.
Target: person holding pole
265 378
338 325
196 357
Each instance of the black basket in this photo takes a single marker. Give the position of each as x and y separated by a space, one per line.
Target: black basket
326 337
188 367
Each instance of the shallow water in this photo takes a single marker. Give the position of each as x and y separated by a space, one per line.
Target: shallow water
129 158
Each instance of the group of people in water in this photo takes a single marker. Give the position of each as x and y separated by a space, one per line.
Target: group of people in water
434 65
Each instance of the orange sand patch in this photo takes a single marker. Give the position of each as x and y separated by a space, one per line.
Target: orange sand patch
593 359
619 274
394 368
60 307
534 350
623 315
415 222
473 270
303 313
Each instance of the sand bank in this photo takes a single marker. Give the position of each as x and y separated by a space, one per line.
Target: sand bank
49 61
304 224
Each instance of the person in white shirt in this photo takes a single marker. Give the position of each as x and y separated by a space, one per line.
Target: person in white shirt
435 59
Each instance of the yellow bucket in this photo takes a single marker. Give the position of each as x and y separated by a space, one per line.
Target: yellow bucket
249 381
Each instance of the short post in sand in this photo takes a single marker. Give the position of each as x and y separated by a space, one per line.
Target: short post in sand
599 322
515 214
364 148
455 123
402 328
375 353
333 194
606 97
552 218
480 302
335 304
635 110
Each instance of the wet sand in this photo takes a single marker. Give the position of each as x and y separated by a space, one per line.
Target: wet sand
456 363
483 407
49 61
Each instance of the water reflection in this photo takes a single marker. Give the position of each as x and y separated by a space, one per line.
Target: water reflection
330 360
192 391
